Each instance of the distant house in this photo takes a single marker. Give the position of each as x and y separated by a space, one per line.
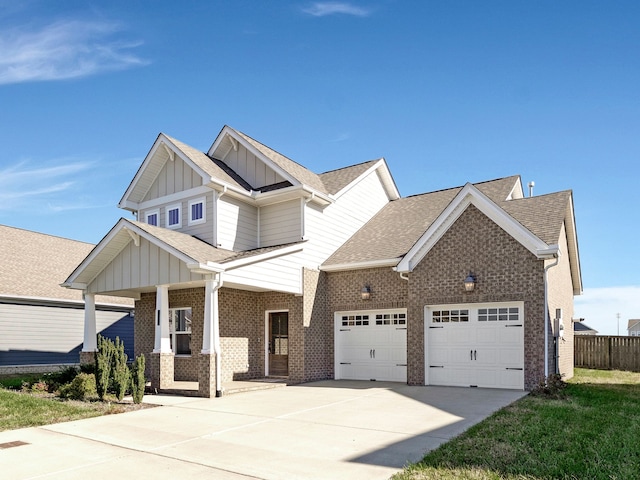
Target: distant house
580 328
633 328
245 264
42 323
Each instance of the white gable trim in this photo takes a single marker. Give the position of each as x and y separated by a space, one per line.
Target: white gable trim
470 195
161 142
385 178
237 138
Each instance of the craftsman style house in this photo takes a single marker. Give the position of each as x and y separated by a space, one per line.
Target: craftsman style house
244 264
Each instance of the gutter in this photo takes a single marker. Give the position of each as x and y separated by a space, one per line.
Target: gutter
546 316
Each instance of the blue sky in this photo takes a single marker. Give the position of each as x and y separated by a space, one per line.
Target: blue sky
448 92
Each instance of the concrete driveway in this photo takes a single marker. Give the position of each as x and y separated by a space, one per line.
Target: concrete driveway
329 429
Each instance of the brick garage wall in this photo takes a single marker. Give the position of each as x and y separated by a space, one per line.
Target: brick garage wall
388 290
241 334
505 271
560 291
318 328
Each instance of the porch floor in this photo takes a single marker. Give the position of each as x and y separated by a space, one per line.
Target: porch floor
190 389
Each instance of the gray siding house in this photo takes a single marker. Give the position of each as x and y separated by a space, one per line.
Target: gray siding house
244 264
42 323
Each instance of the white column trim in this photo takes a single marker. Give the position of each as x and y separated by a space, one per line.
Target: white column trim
90 341
162 342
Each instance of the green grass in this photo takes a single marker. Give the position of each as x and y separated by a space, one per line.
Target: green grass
593 433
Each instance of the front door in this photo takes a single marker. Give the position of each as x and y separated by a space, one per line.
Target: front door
279 344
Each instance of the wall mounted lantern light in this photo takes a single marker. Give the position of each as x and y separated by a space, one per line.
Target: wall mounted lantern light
470 282
366 292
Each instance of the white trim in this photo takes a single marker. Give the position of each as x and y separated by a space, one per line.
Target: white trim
385 177
170 208
385 262
470 195
243 262
195 201
148 213
174 197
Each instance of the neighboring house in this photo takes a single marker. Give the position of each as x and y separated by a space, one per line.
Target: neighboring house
580 328
42 323
244 264
633 328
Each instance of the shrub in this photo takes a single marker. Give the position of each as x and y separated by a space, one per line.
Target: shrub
104 356
551 387
55 379
81 387
119 371
137 379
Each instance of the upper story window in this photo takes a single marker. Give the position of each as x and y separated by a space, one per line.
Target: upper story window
152 217
173 217
197 212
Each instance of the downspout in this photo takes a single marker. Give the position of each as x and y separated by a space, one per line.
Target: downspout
546 317
303 214
216 341
217 196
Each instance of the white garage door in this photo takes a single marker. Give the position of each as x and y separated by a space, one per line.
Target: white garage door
371 345
479 345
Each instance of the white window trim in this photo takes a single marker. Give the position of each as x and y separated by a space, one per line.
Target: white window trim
155 212
195 201
173 332
167 209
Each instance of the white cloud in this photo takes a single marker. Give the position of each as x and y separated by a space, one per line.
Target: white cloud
63 50
322 9
599 308
20 183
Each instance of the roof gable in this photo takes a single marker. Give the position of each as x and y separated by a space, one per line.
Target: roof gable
471 195
339 181
196 165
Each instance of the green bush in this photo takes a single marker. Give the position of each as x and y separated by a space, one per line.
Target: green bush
56 379
104 358
119 370
80 388
137 379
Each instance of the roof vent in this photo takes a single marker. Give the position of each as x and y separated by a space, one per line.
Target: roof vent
531 185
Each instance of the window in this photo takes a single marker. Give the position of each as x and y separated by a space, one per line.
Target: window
446 316
197 212
355 320
152 217
498 314
180 328
173 217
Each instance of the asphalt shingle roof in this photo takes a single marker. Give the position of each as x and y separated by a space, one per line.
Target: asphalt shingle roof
35 264
400 224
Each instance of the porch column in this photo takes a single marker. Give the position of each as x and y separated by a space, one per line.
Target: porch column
210 372
162 355
90 341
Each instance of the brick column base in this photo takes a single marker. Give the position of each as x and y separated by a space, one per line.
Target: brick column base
161 370
87 357
207 376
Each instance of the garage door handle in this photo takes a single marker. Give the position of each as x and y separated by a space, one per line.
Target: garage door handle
475 354
345 363
436 366
513 368
401 364
345 329
402 328
436 327
513 326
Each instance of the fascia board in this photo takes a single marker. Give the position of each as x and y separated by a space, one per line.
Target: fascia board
243 262
291 193
574 252
340 267
470 195
229 131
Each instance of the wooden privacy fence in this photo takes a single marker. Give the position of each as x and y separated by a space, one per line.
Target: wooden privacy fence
603 352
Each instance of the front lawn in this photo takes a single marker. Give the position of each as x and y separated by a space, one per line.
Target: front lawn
19 410
593 432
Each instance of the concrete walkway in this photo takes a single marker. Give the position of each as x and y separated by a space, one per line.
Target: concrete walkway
323 430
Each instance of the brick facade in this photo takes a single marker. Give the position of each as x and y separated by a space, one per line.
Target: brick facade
505 271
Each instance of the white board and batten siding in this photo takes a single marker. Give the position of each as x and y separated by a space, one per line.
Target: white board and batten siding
371 345
281 223
142 266
252 169
326 230
176 176
50 334
237 224
475 345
